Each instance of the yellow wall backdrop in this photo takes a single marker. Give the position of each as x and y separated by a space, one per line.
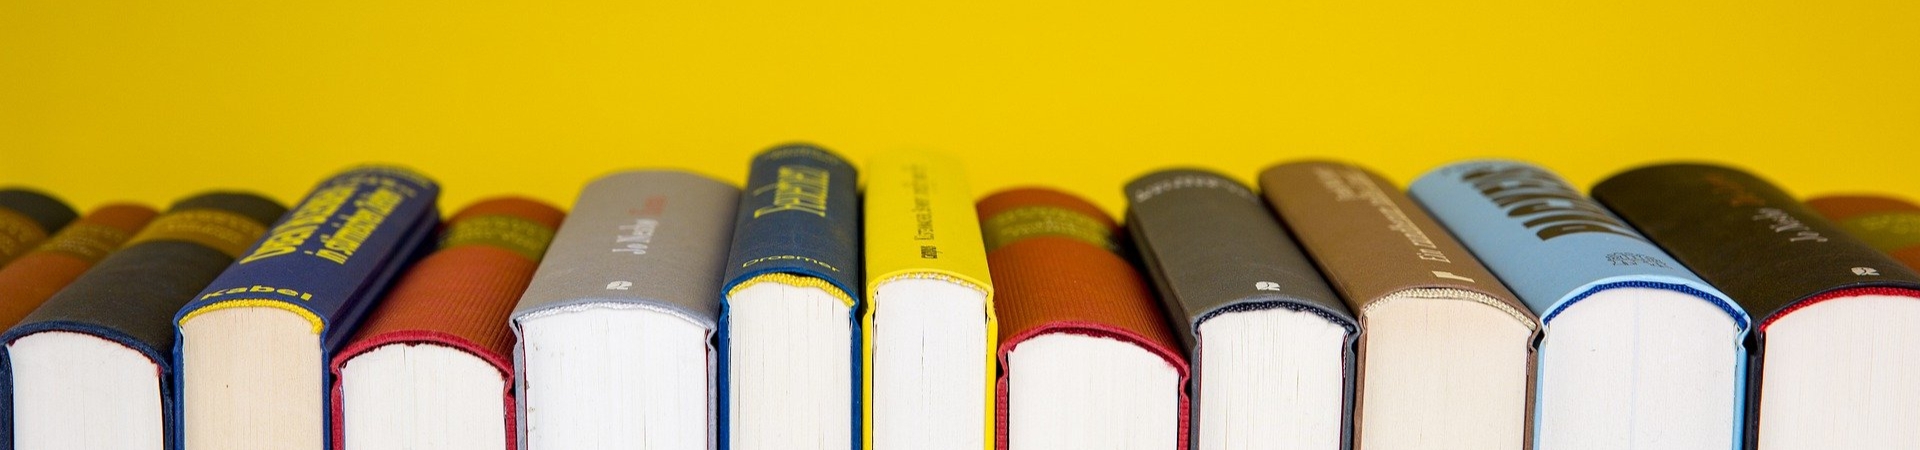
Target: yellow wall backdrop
151 101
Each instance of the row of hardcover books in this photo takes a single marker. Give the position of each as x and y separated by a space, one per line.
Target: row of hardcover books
1490 306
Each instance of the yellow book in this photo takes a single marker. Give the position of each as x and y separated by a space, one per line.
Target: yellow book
929 322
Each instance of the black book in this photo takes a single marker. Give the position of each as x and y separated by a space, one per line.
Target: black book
1836 353
1250 308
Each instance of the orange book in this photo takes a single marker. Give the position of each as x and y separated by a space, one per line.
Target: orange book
1088 359
456 298
35 276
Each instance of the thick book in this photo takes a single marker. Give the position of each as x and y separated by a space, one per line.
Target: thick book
929 321
1887 223
28 217
253 347
1250 308
615 333
35 276
1447 354
1638 351
1088 359
789 313
1836 353
432 367
91 368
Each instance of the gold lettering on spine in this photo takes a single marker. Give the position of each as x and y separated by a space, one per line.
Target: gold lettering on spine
797 188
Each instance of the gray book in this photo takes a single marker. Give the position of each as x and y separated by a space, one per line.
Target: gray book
615 333
1251 308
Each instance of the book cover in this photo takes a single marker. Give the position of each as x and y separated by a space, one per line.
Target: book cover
1057 262
37 275
652 239
131 294
1747 236
460 295
28 217
1886 223
327 261
798 223
1377 247
920 222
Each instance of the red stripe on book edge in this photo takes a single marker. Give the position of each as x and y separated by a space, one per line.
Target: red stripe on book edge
1838 293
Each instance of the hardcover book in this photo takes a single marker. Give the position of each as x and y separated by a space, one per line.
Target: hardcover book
431 368
1089 360
1837 358
929 320
1889 224
253 347
1638 351
789 331
37 275
91 367
615 334
26 218
1447 353
1250 308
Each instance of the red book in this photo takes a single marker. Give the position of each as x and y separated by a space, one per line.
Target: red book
1087 357
34 277
432 367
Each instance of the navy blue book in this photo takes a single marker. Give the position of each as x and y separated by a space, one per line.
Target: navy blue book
252 347
92 363
789 335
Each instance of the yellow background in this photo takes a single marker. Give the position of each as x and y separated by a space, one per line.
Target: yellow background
154 100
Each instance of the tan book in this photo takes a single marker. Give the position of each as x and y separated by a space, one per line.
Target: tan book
1446 354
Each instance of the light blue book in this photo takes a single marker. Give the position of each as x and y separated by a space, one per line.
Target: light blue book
1638 351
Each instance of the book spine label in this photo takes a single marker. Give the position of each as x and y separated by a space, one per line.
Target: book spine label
1211 248
1371 240
1747 236
920 222
18 234
655 239
1546 241
329 256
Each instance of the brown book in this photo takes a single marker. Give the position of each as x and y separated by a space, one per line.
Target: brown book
34 277
1087 359
1446 358
26 218
1889 224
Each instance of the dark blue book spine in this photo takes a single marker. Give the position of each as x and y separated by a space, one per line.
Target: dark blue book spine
800 215
330 257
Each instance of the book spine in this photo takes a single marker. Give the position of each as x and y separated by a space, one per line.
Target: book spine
1747 236
1889 224
1371 240
130 294
1550 244
26 218
34 277
1212 248
333 254
460 295
920 222
1056 260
